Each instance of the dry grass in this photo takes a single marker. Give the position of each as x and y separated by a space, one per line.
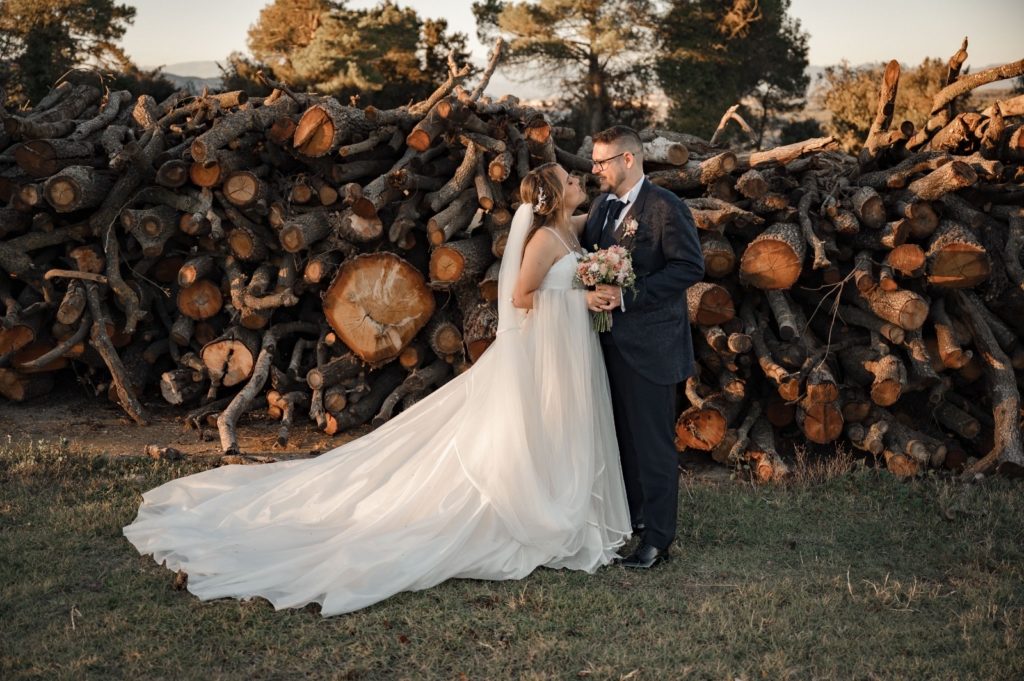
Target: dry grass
842 573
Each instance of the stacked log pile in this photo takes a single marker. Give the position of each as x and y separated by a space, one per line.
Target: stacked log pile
314 258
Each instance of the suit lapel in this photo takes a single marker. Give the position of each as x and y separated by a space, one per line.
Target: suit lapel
635 209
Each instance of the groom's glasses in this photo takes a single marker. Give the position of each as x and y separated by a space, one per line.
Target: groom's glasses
601 164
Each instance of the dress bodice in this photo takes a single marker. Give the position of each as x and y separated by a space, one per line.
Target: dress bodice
562 273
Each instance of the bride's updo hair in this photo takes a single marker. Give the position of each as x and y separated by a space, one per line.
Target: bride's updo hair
543 189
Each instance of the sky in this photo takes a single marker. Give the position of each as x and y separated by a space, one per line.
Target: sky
861 31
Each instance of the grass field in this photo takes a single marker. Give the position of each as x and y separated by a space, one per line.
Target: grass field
842 574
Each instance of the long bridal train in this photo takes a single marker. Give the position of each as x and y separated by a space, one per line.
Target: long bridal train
509 466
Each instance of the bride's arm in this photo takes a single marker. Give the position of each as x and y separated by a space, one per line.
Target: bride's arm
540 254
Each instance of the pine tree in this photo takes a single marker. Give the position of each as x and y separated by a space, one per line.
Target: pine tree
387 55
40 40
284 28
597 51
714 54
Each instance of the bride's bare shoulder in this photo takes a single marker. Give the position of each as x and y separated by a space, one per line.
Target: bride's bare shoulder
542 245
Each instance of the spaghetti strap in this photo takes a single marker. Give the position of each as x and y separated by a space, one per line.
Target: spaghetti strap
560 239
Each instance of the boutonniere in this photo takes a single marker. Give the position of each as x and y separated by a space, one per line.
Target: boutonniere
629 227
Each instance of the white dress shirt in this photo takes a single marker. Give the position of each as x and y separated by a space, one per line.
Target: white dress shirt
629 199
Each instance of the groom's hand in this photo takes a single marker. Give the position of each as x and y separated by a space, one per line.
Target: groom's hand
612 296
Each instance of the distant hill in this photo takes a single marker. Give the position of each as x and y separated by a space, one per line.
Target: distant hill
192 75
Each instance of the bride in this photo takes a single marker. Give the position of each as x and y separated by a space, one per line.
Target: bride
507 467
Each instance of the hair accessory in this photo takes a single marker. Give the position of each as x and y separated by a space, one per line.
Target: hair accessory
542 199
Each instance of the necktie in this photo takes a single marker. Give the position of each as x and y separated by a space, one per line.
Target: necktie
611 209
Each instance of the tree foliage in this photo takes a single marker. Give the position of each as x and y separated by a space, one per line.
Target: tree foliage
715 54
597 51
239 72
386 54
850 94
40 40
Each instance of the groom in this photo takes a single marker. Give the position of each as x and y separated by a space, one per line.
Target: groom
648 351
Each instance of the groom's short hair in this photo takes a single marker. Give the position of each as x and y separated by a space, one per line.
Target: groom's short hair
627 138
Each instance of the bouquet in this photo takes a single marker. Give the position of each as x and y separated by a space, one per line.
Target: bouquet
613 266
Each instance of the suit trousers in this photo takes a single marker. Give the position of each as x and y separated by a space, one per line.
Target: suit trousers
644 422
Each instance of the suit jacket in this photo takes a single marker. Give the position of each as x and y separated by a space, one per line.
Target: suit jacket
653 334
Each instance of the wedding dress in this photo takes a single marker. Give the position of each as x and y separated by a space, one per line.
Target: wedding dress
509 466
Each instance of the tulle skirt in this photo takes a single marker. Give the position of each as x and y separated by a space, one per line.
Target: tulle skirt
507 467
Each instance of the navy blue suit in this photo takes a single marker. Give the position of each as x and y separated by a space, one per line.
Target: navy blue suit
649 350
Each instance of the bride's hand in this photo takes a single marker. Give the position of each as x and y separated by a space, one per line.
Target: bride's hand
596 301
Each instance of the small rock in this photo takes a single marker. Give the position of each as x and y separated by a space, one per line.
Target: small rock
163 453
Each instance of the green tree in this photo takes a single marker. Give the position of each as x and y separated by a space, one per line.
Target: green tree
597 51
851 96
40 40
286 28
715 54
386 54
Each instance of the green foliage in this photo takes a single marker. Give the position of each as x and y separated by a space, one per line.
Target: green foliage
715 54
285 27
386 54
598 52
851 96
40 40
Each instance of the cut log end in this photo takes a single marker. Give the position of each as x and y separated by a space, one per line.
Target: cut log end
958 267
700 428
314 133
709 304
822 422
770 265
376 304
201 300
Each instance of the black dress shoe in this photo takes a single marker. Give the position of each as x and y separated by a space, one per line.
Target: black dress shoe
645 556
639 528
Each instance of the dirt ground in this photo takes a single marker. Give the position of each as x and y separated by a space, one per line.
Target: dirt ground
96 426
